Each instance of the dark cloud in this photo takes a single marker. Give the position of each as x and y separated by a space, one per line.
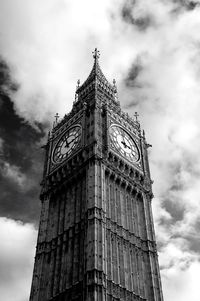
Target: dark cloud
187 4
21 160
133 73
194 239
142 20
129 16
133 84
175 209
181 6
6 84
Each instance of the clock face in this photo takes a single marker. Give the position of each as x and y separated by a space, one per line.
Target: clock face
67 144
124 143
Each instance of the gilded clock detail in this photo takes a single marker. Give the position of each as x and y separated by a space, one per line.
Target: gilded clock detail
67 144
123 142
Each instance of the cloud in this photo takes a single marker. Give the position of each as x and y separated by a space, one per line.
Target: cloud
132 13
20 158
180 271
182 285
186 4
44 63
13 173
16 259
133 73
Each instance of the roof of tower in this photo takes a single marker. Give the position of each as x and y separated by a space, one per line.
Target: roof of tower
96 74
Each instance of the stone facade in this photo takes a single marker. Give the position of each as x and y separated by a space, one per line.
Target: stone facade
96 238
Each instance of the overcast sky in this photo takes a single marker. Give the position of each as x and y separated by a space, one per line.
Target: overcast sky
152 49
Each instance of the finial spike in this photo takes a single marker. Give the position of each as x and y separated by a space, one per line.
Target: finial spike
115 90
96 54
78 84
136 116
56 117
114 85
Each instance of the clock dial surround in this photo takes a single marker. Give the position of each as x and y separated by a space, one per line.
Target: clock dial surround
124 143
68 143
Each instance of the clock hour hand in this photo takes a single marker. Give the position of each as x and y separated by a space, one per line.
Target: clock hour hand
68 143
125 145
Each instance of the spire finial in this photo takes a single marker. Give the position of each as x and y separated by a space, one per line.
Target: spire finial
96 54
78 84
56 118
115 90
114 85
136 116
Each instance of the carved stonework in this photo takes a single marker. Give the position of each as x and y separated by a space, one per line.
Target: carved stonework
96 239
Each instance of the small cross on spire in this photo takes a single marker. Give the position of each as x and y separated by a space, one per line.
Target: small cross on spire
78 84
136 116
56 117
96 54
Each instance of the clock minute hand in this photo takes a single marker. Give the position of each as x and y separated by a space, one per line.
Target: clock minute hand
128 146
72 140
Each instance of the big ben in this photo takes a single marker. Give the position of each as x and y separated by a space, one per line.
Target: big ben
96 239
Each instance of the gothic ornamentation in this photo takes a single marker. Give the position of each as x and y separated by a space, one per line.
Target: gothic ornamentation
96 238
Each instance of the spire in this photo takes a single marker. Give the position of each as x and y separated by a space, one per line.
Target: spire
96 76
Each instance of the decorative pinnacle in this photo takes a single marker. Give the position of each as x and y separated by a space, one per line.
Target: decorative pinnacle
115 90
114 86
136 116
78 84
56 117
96 54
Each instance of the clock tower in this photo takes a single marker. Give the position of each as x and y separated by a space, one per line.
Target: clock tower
96 239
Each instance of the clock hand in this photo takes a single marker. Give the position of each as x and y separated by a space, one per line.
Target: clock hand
68 143
72 140
125 145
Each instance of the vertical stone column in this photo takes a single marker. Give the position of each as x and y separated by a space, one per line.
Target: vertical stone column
39 258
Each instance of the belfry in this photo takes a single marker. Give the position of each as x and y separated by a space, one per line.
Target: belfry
96 239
